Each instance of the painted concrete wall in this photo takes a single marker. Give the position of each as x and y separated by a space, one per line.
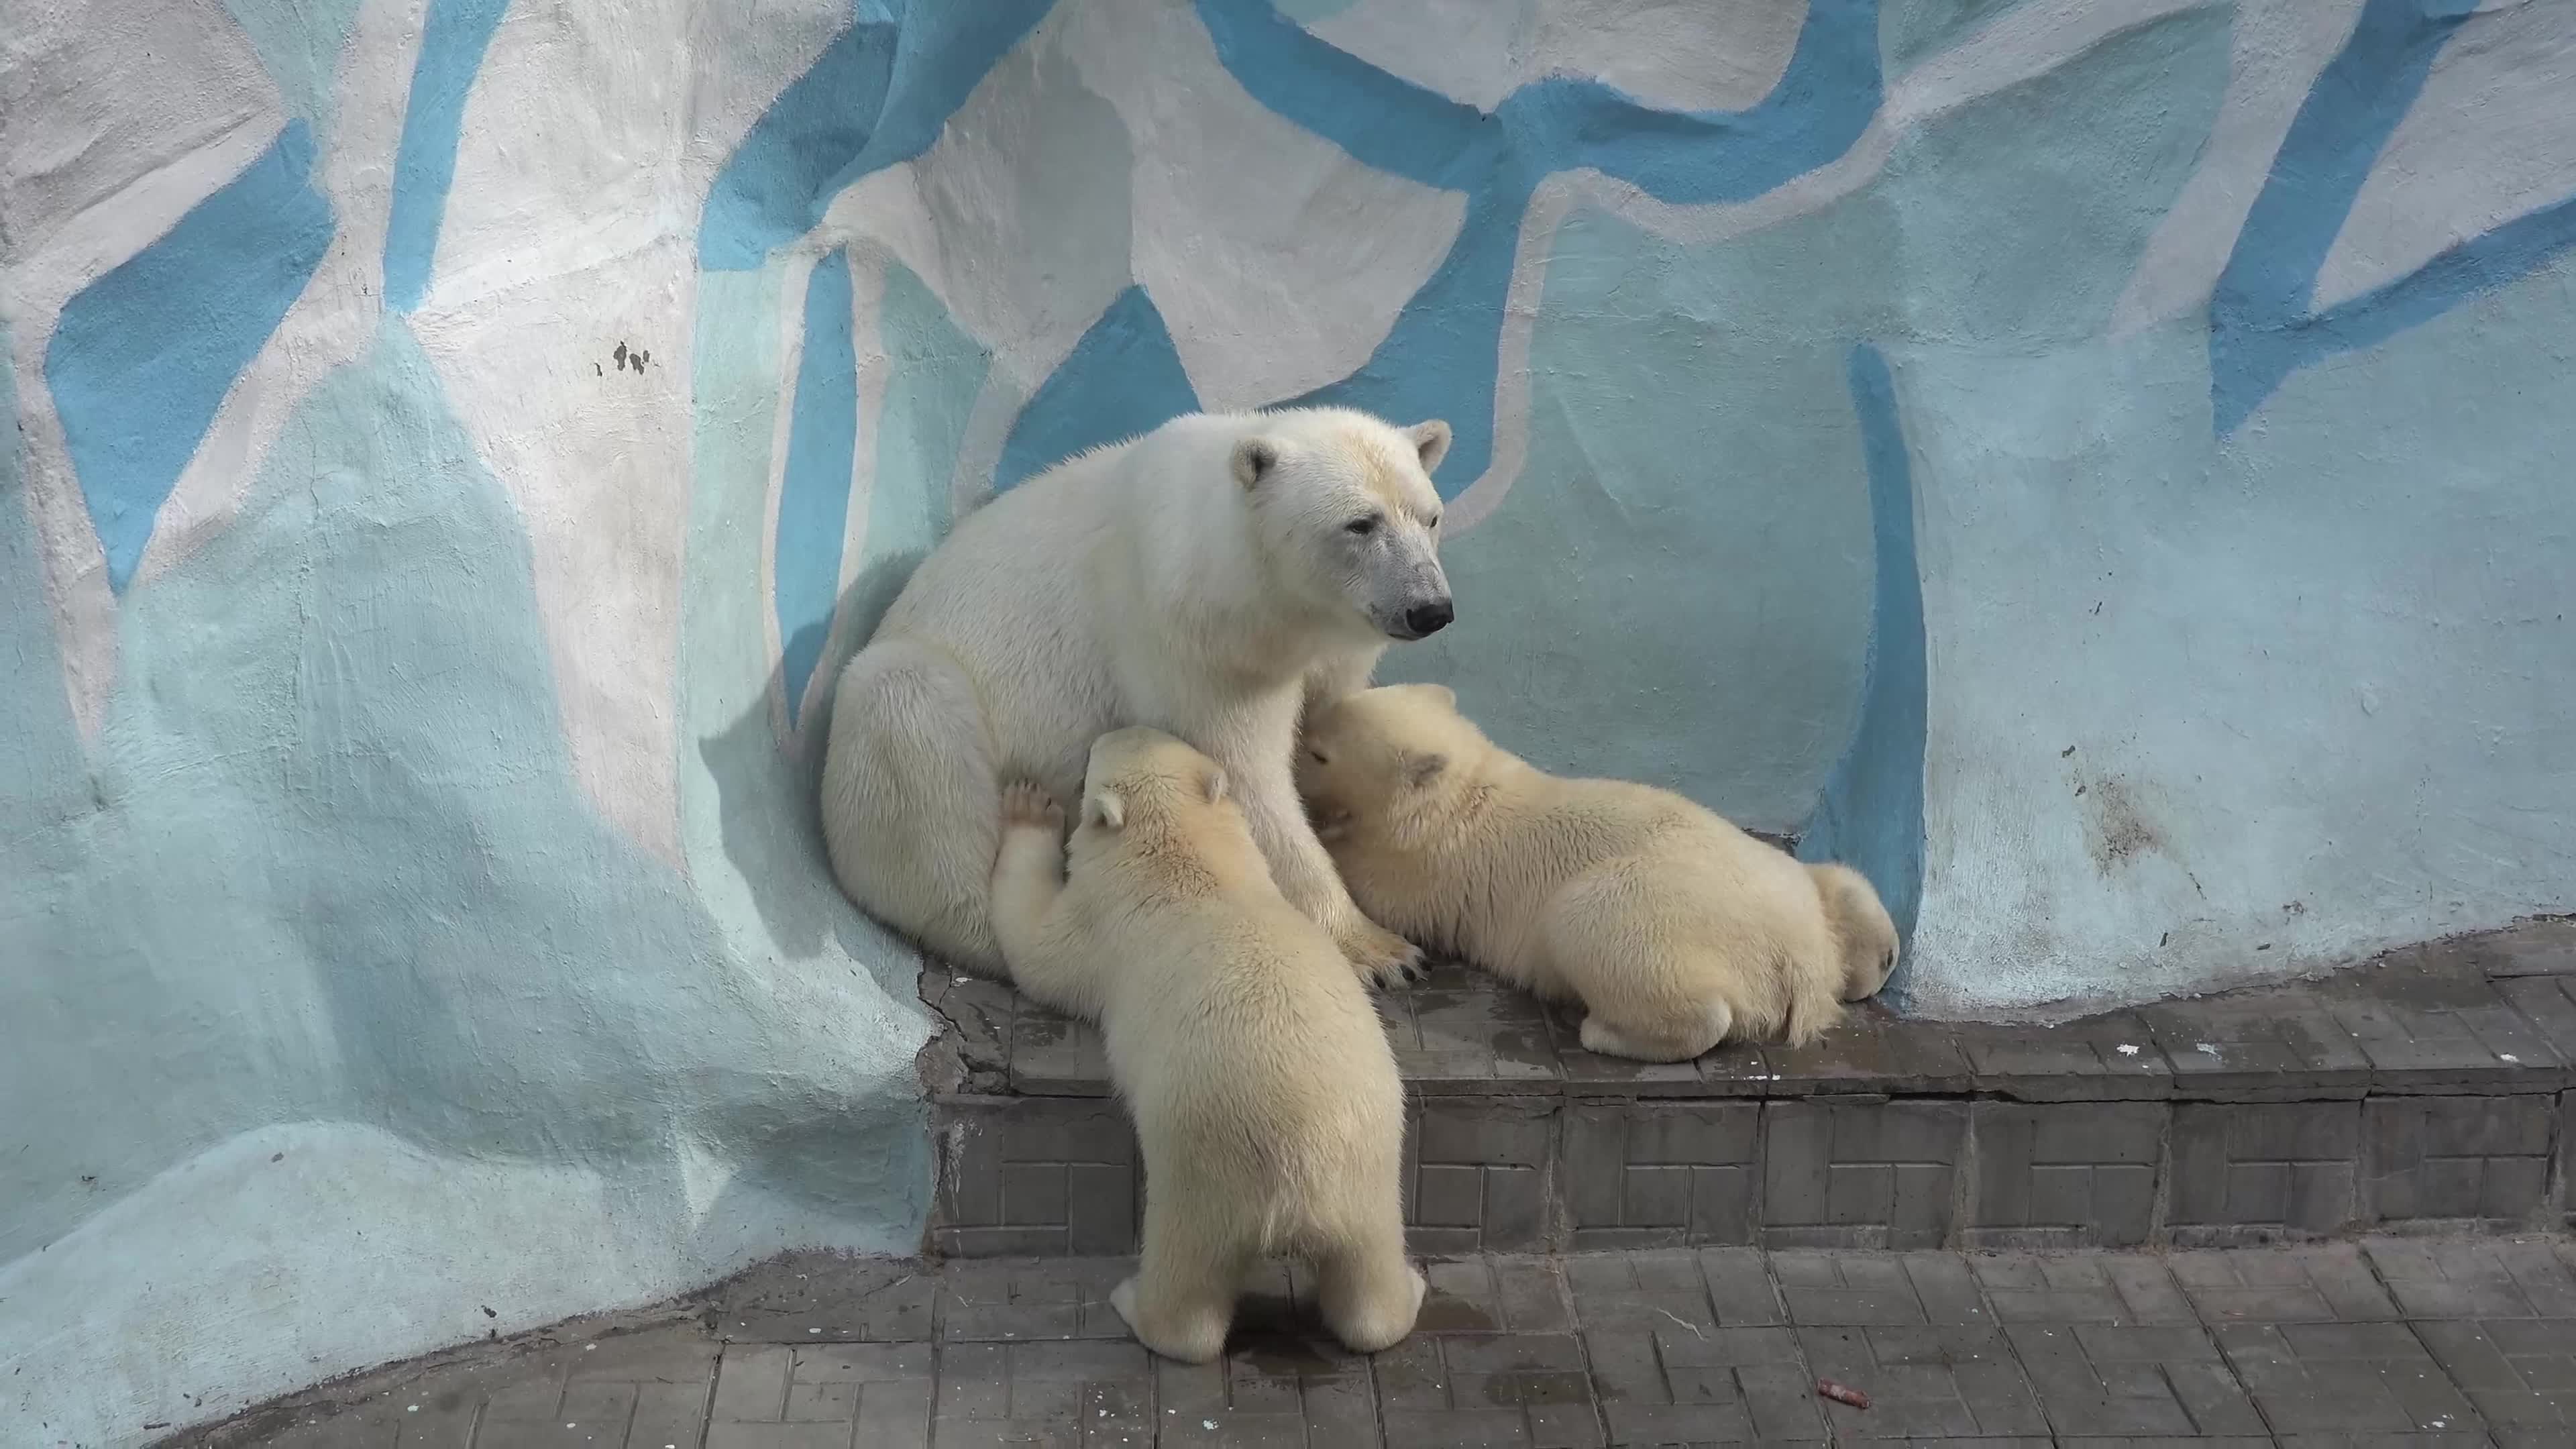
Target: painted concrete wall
2102 465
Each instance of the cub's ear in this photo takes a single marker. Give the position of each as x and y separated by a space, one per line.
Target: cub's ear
1439 694
1105 809
1421 770
1254 459
1431 440
1214 785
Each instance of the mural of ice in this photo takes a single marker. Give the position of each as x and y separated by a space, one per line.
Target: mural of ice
2096 464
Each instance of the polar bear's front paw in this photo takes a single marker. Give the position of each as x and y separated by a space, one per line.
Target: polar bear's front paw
1024 804
1382 957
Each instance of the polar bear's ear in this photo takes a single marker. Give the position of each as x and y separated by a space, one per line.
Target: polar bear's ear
1439 694
1253 460
1421 770
1104 809
1431 440
1214 785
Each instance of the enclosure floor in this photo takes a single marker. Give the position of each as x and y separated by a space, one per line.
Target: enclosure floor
2385 1341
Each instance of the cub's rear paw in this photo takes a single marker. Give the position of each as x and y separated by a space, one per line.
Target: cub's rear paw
1027 804
1381 957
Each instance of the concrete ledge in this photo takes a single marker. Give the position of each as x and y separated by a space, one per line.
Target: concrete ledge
2430 1087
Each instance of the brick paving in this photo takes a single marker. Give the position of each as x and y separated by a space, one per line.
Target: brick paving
2385 1341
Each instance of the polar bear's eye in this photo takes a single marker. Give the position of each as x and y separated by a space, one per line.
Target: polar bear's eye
1363 527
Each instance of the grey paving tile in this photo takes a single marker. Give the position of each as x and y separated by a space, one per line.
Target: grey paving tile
2319 1283
1740 1289
1860 1175
2066 1174
1647 1173
1647 1290
1461 1032
1930 1382
2258 1046
2473 1278
2468 1157
668 1416
2111 1378
2122 1288
2520 1373
2164 1441
1021 1299
2427 1024
1872 1051
2244 1171
1056 1056
1836 1289
751 1384
2345 1378
2108 1057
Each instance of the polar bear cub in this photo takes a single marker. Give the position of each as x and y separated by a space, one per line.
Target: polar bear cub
1673 928
1264 1094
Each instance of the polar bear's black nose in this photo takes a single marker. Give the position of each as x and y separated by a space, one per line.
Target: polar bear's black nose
1425 620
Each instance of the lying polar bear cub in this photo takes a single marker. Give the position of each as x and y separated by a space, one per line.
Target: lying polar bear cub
1673 928
1264 1094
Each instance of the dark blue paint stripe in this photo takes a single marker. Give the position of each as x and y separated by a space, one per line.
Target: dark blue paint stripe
1440 357
141 358
1870 815
877 96
451 53
814 491
2261 326
1123 378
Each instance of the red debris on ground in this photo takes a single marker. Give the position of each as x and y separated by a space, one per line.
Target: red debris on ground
1841 1393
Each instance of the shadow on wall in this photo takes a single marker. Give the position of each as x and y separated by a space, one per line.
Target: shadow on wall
760 823
327 860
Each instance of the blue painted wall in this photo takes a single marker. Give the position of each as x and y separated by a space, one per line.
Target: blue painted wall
2097 469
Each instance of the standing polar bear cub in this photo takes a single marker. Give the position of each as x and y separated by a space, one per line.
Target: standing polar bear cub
1265 1098
1673 928
1206 579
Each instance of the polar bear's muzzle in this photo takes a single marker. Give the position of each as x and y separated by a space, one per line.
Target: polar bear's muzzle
1426 618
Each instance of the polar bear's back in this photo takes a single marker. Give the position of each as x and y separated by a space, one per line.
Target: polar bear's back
1243 1040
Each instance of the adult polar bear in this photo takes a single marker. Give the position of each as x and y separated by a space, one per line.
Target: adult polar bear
1206 579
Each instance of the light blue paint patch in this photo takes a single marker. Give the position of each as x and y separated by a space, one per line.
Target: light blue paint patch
938 371
1123 378
921 427
1913 30
1691 547
451 53
1686 551
814 493
877 96
329 860
141 358
2261 328
299 45
1439 359
2026 213
1870 816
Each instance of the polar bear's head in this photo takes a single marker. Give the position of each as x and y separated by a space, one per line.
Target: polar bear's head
1347 514
1137 772
1387 756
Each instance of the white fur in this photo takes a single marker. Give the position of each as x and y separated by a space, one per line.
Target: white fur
1673 928
1265 1098
1200 579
